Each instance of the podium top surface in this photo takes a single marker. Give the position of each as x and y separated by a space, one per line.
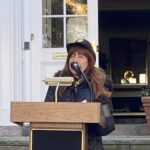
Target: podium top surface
52 112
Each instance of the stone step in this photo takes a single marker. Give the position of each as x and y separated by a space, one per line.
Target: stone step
125 137
126 142
110 143
14 143
120 129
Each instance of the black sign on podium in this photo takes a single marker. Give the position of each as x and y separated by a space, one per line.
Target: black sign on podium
56 140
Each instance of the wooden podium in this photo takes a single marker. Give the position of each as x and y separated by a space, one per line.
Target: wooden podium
55 126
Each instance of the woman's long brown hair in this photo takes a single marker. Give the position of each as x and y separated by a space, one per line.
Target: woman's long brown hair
96 75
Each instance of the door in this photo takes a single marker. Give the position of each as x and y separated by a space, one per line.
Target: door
54 23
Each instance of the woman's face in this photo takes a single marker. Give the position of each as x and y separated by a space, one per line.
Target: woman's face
81 59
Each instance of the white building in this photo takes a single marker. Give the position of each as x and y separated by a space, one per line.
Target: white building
33 37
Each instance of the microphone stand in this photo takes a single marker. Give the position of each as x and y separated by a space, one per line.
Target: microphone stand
79 72
91 94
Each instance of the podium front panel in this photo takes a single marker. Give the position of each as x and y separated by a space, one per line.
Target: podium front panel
56 140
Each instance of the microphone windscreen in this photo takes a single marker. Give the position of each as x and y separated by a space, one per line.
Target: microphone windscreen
76 68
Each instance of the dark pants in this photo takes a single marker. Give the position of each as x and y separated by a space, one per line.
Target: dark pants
95 143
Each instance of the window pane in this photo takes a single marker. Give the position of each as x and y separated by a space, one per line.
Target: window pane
76 7
52 32
76 28
52 7
128 60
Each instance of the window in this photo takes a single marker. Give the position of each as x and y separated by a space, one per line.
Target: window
128 60
63 21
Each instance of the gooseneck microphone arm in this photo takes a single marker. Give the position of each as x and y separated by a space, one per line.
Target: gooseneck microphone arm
80 73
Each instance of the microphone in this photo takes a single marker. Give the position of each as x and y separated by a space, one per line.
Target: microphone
80 73
76 68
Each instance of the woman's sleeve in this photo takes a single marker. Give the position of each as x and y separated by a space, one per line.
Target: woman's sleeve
98 129
50 95
108 84
109 87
